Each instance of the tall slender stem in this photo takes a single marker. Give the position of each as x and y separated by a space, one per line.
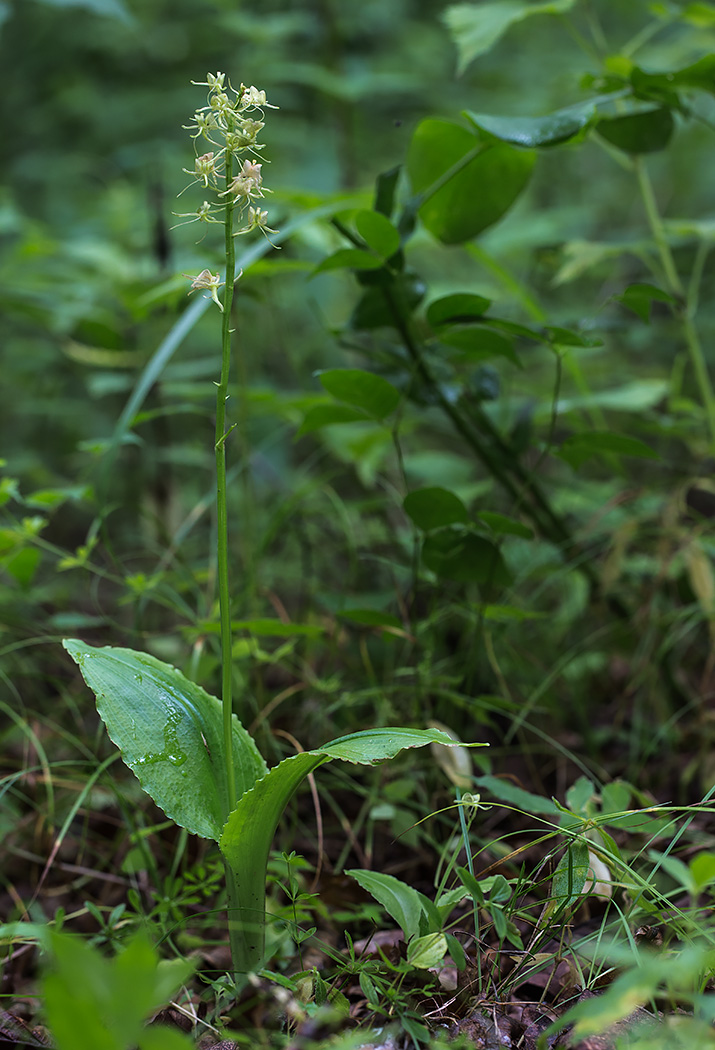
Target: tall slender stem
221 507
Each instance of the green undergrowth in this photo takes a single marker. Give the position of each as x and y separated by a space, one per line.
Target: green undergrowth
468 444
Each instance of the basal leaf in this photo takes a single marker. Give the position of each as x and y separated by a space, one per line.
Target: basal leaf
247 835
486 179
169 731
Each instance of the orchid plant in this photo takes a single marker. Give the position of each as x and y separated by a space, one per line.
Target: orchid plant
189 751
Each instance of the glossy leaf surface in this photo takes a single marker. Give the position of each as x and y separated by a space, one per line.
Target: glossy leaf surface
169 731
486 179
537 132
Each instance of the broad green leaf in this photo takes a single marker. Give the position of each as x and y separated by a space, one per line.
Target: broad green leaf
487 178
537 132
580 447
399 900
425 952
378 233
456 554
247 835
432 508
640 297
458 308
645 132
477 343
170 733
363 390
475 28
348 259
328 415
571 874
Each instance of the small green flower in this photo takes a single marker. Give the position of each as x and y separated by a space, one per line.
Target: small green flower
210 282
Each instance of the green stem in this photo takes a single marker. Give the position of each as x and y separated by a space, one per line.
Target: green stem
657 229
221 507
684 310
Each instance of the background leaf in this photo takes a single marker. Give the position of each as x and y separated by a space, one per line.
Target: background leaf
398 899
363 390
645 132
378 233
477 195
537 132
475 28
432 508
456 554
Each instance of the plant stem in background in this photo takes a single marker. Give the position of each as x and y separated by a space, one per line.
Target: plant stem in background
684 310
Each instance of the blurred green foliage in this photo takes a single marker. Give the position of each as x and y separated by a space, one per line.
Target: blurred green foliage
96 92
